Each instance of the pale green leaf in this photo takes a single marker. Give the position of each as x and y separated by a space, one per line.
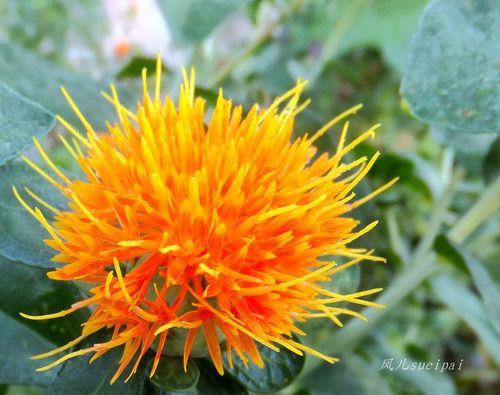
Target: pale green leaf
41 80
191 21
464 303
21 236
20 121
452 78
384 24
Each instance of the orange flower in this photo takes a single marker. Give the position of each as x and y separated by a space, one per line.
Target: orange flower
209 230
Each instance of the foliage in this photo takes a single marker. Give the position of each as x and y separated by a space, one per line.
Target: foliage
280 369
453 73
18 119
430 76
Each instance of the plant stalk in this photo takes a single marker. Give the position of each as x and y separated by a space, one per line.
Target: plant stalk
421 265
259 39
488 204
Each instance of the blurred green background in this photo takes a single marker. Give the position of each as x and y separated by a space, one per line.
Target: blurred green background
438 225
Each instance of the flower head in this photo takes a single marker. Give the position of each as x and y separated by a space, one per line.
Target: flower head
205 226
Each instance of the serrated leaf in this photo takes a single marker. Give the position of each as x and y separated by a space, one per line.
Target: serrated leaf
190 21
170 374
18 343
27 289
21 236
20 121
40 81
78 377
464 303
280 369
452 77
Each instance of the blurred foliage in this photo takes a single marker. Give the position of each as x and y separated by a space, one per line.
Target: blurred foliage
438 225
452 75
19 117
54 27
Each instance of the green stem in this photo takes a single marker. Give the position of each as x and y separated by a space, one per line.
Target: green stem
488 203
416 271
259 39
421 265
333 40
395 240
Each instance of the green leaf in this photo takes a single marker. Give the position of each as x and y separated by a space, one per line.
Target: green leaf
40 81
487 288
190 21
466 305
452 78
54 27
22 176
20 121
27 289
470 149
24 390
18 343
351 376
385 24
170 375
429 382
343 25
134 66
280 369
78 377
415 173
212 383
21 236
447 250
345 281
491 163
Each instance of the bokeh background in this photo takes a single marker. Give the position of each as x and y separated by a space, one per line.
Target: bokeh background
438 225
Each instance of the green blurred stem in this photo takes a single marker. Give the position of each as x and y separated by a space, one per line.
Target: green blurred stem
333 40
488 204
394 234
259 39
420 266
417 270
